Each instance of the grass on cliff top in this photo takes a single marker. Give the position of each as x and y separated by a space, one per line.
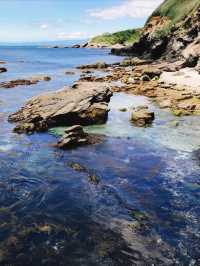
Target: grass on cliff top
122 37
176 9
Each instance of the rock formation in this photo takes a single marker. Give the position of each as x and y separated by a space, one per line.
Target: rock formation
73 137
173 27
83 104
142 116
23 82
3 69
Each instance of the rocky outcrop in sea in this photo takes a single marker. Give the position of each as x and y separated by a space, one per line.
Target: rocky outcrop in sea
83 104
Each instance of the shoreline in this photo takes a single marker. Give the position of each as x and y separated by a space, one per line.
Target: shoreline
167 83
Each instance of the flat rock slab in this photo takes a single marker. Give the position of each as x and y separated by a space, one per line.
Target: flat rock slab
23 82
84 104
187 77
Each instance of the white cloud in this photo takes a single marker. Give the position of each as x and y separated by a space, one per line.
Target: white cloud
128 8
44 26
71 35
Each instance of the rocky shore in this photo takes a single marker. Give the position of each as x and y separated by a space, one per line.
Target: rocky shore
83 104
168 83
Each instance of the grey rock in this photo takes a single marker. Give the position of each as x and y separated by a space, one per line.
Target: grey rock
84 104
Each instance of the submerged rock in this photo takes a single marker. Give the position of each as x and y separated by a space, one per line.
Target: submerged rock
84 104
142 116
77 167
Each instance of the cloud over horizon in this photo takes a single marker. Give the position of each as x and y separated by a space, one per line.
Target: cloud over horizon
128 8
71 35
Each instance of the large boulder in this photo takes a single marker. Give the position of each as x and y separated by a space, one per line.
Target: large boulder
84 104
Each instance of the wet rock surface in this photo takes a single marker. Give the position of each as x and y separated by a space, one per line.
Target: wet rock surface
142 116
18 82
167 83
24 82
73 137
98 65
84 104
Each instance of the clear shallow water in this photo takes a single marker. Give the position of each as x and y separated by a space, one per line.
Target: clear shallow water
143 210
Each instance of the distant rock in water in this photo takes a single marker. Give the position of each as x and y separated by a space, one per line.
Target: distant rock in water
84 104
3 69
24 82
97 65
18 82
76 46
69 72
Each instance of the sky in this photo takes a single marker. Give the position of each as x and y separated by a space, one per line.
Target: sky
54 20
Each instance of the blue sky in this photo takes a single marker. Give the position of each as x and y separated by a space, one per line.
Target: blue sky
44 20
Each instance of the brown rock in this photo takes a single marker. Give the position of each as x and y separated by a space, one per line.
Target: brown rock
24 82
69 73
142 117
85 104
187 106
165 104
18 82
73 137
98 65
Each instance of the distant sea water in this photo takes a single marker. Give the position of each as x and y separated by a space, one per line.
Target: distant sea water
144 209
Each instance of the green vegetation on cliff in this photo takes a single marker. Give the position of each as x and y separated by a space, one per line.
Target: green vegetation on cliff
122 37
176 9
173 11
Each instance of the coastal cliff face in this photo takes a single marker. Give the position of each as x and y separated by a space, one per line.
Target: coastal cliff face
171 32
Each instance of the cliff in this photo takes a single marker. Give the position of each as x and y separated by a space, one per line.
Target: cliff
172 31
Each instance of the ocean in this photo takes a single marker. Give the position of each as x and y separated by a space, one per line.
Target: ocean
144 210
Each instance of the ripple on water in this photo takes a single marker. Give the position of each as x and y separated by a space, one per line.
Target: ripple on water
143 210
